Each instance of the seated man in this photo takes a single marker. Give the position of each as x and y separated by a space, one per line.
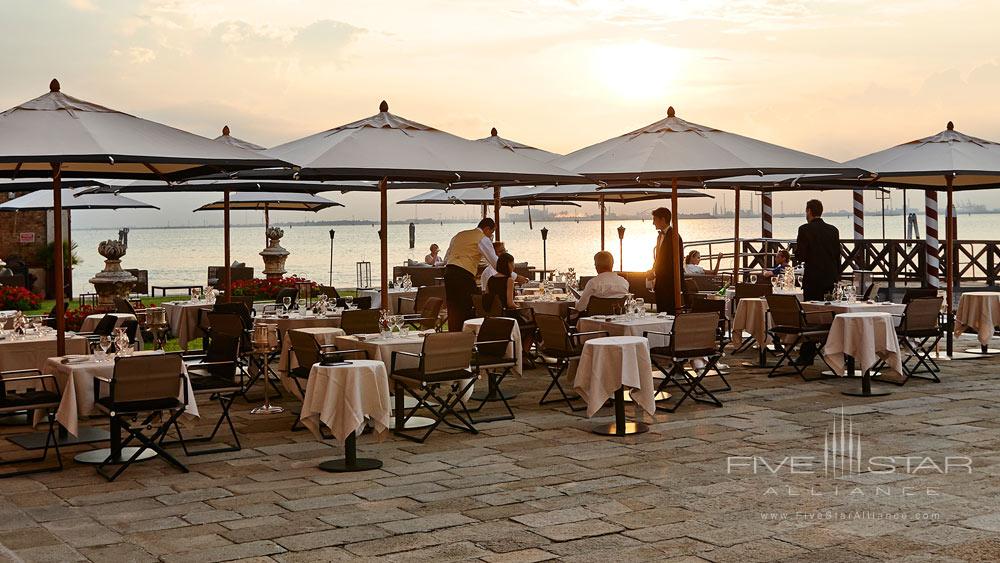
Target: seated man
605 284
490 271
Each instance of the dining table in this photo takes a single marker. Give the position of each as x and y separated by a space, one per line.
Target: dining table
90 322
860 341
182 316
287 361
394 294
608 367
978 312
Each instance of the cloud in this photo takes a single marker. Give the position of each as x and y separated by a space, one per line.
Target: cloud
82 5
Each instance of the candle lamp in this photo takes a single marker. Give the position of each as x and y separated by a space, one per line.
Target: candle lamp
305 291
545 261
265 341
156 321
621 248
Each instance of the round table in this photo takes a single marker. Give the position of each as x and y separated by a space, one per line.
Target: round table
980 311
343 397
863 339
607 366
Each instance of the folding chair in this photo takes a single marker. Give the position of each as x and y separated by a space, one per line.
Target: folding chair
423 294
308 352
794 324
605 305
692 336
360 321
564 346
104 327
146 384
716 306
213 374
919 331
364 302
427 318
443 362
490 356
34 391
918 293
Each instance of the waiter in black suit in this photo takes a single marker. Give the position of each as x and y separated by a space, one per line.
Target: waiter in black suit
818 249
665 260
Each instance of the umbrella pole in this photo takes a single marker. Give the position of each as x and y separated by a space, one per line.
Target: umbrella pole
69 245
267 223
496 211
675 234
600 204
58 262
227 280
950 265
384 219
736 239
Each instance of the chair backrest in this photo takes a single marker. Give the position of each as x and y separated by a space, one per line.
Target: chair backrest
245 300
918 293
305 348
430 312
871 291
606 305
495 329
427 292
477 305
363 302
447 351
286 292
329 291
554 333
223 348
106 325
706 283
751 290
229 324
360 321
204 324
233 308
123 306
141 285
50 321
146 377
492 305
694 334
785 310
923 313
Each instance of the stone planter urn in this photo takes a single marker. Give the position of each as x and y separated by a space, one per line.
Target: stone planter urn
112 281
274 255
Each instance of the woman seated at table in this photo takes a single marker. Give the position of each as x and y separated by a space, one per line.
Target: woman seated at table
433 259
781 260
499 294
692 265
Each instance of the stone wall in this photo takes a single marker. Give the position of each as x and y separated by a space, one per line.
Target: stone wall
11 227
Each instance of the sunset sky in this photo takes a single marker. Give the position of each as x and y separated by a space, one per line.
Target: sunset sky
839 79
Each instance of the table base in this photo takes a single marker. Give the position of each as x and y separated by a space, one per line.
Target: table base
86 435
956 355
351 462
413 423
661 396
982 351
869 393
267 408
866 383
96 457
611 429
495 395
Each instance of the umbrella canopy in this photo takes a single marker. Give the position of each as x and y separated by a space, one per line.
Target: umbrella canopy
510 196
787 182
272 201
91 141
519 148
614 194
42 201
228 139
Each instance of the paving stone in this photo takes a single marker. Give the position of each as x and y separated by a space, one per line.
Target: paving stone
577 530
227 553
539 519
425 523
326 538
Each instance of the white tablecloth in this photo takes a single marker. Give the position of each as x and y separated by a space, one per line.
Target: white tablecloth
473 326
76 380
620 326
294 322
90 323
979 311
183 320
394 294
866 337
323 335
607 364
840 307
32 353
547 307
381 349
343 396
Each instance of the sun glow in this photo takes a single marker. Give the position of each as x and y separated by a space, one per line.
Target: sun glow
637 71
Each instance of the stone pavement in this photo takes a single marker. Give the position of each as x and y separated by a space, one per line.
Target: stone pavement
756 480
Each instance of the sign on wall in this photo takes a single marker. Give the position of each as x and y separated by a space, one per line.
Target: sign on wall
26 238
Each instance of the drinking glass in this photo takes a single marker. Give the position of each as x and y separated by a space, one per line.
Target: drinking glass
287 303
105 344
348 302
640 306
753 278
302 307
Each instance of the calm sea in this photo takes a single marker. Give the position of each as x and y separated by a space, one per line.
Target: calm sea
182 256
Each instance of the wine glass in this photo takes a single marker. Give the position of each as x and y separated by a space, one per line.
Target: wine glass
105 344
302 307
640 306
348 302
286 301
753 278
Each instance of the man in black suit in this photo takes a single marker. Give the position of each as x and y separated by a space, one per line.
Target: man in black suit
818 249
665 260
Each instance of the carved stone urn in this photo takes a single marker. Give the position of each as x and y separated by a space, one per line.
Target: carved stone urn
112 281
274 255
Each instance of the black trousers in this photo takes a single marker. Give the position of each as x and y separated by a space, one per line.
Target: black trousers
459 287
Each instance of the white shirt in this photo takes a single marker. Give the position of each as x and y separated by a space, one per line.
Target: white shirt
605 284
486 249
484 278
694 270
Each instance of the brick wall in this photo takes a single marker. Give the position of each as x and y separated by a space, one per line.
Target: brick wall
12 224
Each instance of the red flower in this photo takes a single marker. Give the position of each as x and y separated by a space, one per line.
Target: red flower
265 288
19 298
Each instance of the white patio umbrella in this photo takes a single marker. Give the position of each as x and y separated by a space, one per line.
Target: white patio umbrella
271 201
673 149
950 160
510 196
388 148
56 136
42 201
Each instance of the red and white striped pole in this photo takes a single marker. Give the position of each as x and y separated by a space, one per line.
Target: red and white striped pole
766 224
859 214
932 243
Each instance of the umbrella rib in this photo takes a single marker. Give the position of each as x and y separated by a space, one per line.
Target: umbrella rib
157 172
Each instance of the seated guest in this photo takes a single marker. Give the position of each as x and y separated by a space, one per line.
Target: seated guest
693 267
490 271
781 260
605 284
433 259
499 295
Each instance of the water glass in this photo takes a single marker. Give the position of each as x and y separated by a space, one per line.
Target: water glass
287 303
302 307
348 302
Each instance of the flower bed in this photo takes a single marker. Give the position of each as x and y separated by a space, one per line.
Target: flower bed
75 317
265 288
18 298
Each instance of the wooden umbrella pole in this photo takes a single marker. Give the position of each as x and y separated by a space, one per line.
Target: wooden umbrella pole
601 204
58 262
227 283
736 238
676 241
496 211
949 262
384 242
